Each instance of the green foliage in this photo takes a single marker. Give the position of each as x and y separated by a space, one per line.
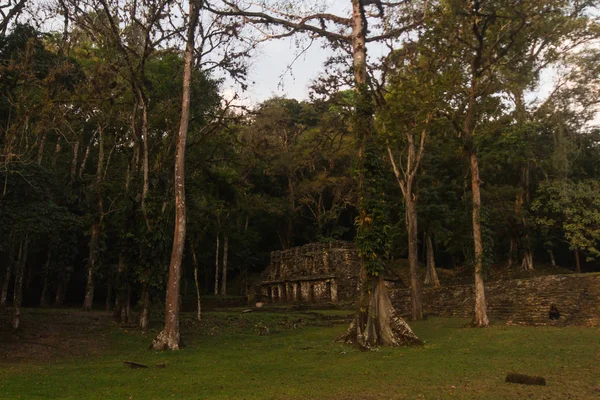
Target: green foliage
574 208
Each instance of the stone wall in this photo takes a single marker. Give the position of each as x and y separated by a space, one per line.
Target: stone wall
316 272
519 301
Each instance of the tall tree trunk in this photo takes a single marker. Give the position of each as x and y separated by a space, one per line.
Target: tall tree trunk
195 261
18 289
480 318
577 261
413 256
145 157
170 337
431 278
376 322
40 154
224 274
95 234
217 266
144 315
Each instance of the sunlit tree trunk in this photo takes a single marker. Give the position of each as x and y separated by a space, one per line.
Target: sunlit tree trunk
169 337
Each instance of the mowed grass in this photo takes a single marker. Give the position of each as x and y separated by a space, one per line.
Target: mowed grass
226 358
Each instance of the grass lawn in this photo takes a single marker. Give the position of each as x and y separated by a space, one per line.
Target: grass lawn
291 355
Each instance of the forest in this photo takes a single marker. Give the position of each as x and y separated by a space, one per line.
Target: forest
127 176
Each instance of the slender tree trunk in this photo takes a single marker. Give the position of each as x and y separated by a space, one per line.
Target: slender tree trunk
224 275
413 256
170 338
195 261
74 162
481 318
40 154
57 149
95 234
145 157
512 252
431 278
89 285
18 290
126 306
217 266
144 315
577 261
552 260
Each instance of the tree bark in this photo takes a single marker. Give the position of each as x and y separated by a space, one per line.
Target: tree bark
431 278
376 322
74 162
195 261
217 266
577 261
144 315
413 256
552 260
379 324
170 337
480 318
95 233
18 289
224 274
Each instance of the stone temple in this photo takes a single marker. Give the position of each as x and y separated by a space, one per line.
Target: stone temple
314 273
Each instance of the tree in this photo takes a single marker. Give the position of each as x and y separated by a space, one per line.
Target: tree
376 322
169 337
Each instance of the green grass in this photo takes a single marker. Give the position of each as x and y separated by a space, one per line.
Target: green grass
226 359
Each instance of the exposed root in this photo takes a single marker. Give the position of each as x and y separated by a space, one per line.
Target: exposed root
165 341
380 325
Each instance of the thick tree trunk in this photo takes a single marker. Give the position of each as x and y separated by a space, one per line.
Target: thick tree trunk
376 322
170 338
577 261
217 266
413 256
431 278
195 261
18 289
224 274
480 318
144 315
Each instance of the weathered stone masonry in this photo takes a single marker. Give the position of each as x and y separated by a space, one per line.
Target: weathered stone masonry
316 272
519 301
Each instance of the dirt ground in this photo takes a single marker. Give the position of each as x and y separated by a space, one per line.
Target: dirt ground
46 335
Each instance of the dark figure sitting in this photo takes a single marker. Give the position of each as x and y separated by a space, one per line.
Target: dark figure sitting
553 314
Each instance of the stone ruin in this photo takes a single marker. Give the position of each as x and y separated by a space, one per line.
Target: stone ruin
313 273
